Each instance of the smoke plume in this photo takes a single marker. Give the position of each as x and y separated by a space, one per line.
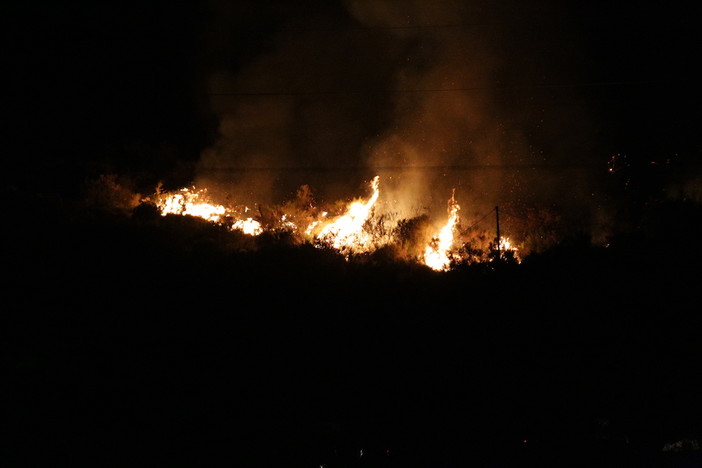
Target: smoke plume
431 96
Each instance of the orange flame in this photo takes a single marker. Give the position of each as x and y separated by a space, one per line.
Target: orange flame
506 245
346 232
436 254
189 202
248 226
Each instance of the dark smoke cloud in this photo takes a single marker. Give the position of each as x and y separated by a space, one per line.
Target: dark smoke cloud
495 99
488 122
520 104
301 110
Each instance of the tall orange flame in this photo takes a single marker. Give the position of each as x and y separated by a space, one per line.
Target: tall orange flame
436 254
346 232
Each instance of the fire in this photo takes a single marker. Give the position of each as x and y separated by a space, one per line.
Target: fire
287 224
189 202
505 245
360 229
436 254
313 224
346 232
248 226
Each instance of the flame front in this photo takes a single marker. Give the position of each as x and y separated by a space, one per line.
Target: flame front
361 229
436 254
248 226
189 202
346 232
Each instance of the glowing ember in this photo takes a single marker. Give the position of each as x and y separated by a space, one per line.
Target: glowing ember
346 232
436 254
189 202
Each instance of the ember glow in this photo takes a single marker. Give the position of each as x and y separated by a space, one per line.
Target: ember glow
349 233
436 254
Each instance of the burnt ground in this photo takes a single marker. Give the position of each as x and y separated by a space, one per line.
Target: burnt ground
149 341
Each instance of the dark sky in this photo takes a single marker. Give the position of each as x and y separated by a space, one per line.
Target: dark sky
184 91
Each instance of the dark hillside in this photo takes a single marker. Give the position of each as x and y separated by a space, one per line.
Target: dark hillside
170 341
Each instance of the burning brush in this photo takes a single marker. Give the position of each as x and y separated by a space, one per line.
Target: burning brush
349 233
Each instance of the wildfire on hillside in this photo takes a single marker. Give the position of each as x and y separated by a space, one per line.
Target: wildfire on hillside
358 229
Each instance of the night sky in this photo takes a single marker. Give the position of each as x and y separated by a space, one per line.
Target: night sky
142 337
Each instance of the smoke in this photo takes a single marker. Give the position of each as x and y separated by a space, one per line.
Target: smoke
470 111
432 96
301 110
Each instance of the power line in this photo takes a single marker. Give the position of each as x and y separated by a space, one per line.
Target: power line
408 27
475 223
454 167
495 87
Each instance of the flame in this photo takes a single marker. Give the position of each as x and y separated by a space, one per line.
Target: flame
505 245
248 226
287 224
346 232
436 254
313 224
189 202
359 230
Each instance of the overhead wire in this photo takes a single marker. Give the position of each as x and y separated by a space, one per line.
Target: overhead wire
495 87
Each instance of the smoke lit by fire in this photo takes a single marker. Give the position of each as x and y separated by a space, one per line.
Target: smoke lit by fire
350 232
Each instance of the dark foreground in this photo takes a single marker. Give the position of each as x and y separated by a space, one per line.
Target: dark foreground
137 343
